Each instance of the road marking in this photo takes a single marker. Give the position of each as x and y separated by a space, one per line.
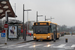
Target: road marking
68 47
22 45
61 46
34 45
73 45
1 44
49 45
7 46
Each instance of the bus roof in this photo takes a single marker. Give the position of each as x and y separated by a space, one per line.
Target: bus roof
55 23
46 21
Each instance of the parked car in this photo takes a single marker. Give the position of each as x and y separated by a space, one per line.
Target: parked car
62 33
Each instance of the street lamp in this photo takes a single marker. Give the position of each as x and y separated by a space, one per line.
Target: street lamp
24 33
46 19
27 19
37 16
49 19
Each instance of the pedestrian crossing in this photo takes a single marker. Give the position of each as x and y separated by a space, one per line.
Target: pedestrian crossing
62 45
30 45
1 45
73 46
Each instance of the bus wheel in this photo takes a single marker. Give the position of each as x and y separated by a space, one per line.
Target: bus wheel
52 37
36 40
58 38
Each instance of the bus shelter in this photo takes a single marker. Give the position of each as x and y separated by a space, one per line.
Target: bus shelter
13 31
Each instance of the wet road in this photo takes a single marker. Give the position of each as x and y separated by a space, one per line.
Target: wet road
44 45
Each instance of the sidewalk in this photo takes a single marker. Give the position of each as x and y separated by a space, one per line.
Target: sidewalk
21 40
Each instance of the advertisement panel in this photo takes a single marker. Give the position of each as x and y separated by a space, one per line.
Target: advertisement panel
12 32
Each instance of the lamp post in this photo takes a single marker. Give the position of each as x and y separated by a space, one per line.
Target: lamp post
37 16
27 19
45 18
49 19
24 34
6 28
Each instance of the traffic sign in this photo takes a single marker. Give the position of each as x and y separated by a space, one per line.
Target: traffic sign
6 26
2 34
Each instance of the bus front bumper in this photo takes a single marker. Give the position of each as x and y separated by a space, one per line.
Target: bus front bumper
42 38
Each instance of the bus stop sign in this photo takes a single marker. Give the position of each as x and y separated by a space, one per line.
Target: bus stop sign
6 26
2 34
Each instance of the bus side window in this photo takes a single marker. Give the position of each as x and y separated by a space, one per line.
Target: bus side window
49 29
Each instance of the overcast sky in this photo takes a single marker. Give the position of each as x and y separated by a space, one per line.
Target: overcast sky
63 11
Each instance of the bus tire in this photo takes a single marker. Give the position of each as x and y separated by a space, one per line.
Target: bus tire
36 40
52 37
57 38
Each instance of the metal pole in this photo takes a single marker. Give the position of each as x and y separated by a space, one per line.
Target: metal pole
45 18
50 18
37 16
24 34
15 9
27 23
6 29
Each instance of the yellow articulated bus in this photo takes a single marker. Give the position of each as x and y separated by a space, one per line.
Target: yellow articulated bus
45 30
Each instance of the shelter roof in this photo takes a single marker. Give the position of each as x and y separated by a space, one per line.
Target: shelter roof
6 6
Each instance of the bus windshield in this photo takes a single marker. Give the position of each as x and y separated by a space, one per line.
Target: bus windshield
41 29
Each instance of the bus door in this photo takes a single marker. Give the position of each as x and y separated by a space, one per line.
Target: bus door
54 32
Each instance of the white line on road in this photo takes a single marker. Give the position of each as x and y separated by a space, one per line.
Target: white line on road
73 45
34 46
1 44
22 45
61 46
7 46
49 45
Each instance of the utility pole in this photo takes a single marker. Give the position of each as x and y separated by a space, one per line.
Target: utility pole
24 31
6 28
51 18
45 18
15 9
24 34
37 16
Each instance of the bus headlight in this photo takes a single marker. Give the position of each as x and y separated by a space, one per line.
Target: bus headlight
48 36
34 37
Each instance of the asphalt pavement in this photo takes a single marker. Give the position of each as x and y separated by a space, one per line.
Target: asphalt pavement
45 45
17 41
